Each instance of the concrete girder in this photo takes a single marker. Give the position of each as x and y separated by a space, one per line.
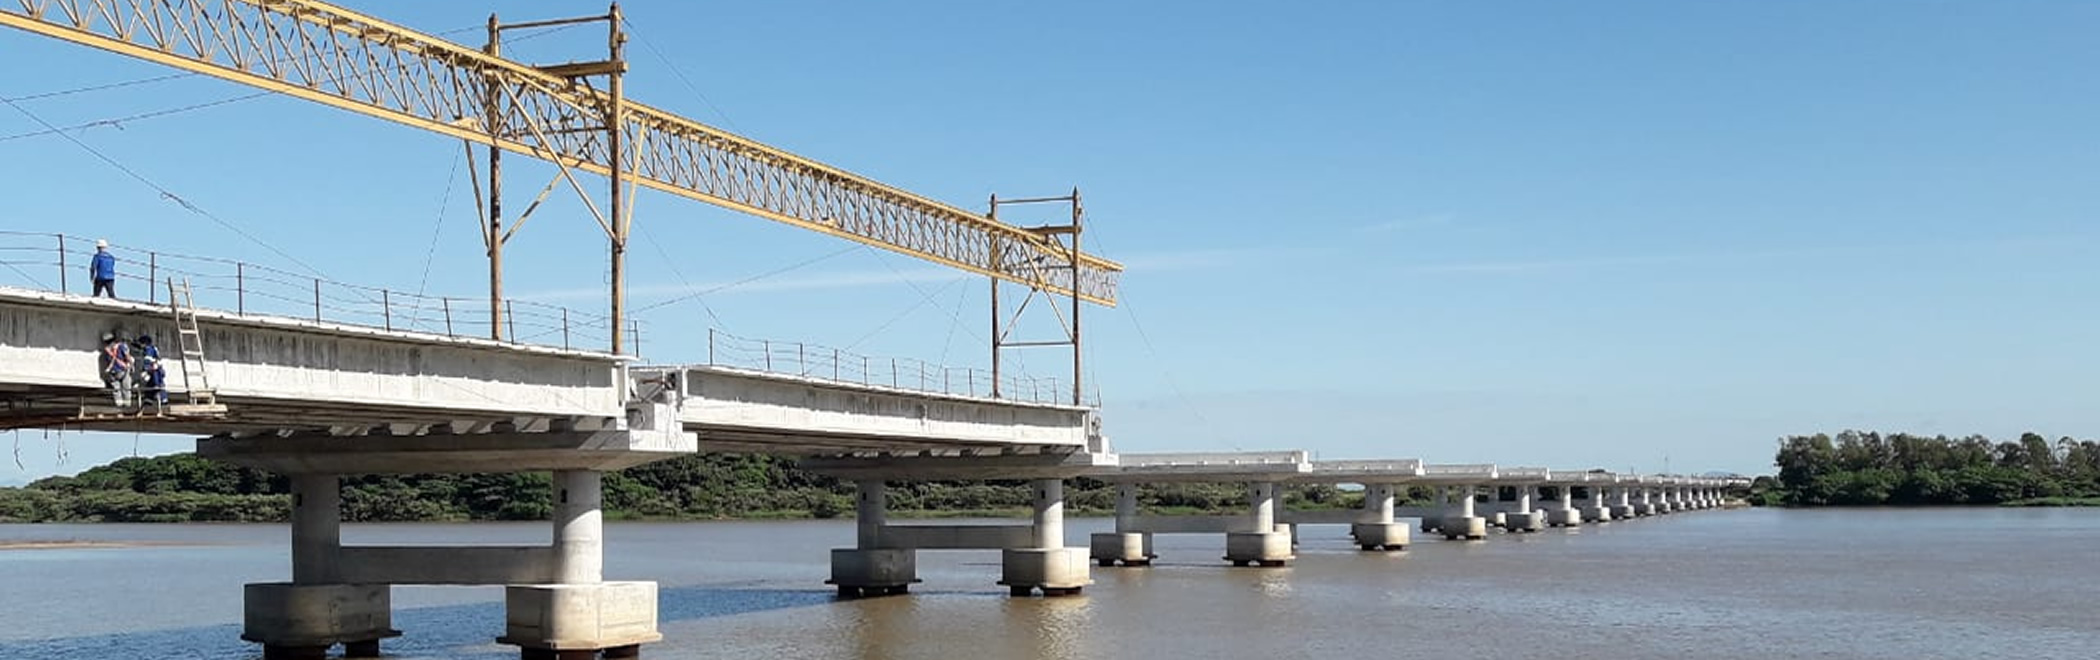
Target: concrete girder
1051 463
1207 467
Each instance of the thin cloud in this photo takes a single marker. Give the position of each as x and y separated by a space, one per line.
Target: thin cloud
1179 260
1416 222
831 280
1547 265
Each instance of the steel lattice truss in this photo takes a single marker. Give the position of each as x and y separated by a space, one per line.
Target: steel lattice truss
323 53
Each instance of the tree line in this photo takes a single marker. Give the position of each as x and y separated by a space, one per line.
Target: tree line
185 488
1869 468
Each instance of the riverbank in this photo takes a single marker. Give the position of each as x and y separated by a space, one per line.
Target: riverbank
2055 502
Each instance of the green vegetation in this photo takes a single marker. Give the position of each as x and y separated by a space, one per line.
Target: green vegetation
183 487
1865 469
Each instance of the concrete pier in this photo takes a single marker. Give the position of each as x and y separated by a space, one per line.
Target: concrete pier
1440 500
578 614
1524 519
1622 509
556 602
1596 511
305 617
1263 545
1462 524
869 568
1565 514
1123 546
1048 565
1376 530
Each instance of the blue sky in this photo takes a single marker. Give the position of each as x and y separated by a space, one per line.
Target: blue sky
1537 233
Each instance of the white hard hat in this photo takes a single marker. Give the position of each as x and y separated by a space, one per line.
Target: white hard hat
101 243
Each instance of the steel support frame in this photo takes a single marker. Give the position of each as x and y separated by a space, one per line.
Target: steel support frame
1003 256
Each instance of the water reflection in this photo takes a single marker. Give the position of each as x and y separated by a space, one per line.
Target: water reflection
1972 583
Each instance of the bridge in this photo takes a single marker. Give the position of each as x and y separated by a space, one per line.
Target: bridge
318 379
319 400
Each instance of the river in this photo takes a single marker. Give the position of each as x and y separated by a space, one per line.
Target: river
1756 583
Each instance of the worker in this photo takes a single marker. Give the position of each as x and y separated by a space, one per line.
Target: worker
116 368
152 371
103 269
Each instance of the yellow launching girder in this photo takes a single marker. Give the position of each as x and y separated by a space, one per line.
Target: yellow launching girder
324 53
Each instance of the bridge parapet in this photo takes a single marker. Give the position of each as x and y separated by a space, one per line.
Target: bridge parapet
1574 477
1208 467
1523 474
1365 471
1460 473
812 361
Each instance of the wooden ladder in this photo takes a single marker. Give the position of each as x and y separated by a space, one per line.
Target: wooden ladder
189 344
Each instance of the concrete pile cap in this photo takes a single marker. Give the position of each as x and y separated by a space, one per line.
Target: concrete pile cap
1376 470
1209 466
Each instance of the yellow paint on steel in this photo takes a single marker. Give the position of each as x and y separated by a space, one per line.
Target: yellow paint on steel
776 184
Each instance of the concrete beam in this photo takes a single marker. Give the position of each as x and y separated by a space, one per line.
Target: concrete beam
774 412
1054 463
1330 517
489 452
1157 524
956 537
459 565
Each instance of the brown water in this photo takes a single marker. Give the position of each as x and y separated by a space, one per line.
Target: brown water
1896 584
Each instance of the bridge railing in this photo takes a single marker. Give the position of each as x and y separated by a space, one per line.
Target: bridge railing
834 364
59 262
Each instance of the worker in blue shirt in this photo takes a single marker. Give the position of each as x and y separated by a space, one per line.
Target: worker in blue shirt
103 269
151 369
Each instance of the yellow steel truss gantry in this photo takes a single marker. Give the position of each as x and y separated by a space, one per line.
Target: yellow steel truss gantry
327 54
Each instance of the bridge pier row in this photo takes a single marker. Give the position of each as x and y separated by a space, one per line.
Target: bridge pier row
1264 545
1565 515
1126 545
1462 524
1378 531
1525 519
1048 565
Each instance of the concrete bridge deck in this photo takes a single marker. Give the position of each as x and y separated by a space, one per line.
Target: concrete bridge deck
284 378
281 373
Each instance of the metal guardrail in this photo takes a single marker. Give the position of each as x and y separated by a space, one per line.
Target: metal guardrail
59 262
838 365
